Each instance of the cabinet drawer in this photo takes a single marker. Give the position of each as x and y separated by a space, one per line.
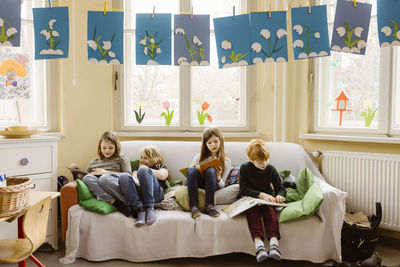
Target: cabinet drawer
42 184
25 160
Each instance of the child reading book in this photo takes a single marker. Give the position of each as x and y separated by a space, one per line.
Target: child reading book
212 178
258 179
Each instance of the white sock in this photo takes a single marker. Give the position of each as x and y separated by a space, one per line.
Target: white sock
273 241
259 243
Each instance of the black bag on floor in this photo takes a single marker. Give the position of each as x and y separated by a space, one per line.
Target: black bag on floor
359 243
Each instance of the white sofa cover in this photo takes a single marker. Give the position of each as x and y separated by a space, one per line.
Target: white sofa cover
175 234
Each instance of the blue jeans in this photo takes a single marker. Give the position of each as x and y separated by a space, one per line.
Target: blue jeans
150 190
207 181
105 188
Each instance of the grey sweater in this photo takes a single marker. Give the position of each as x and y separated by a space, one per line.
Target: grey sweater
117 165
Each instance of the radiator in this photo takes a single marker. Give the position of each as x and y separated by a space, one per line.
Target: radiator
367 178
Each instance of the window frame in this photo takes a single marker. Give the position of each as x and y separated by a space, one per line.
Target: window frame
185 95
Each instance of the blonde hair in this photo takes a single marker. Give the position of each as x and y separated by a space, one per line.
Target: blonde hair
153 154
257 150
204 152
111 137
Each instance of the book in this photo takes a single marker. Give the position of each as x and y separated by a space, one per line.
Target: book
77 170
246 203
204 165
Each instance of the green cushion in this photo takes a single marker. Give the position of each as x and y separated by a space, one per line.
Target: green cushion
182 197
305 207
88 201
305 179
134 164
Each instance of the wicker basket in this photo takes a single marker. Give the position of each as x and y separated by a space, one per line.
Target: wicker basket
15 196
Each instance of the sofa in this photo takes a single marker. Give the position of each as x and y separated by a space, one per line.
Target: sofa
175 234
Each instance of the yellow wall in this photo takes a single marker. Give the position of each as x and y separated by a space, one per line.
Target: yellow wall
86 110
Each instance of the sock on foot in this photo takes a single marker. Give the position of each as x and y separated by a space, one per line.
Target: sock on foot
274 252
150 216
141 217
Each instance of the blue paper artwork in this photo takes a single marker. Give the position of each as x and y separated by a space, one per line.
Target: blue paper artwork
268 37
310 32
389 23
153 39
232 35
51 26
14 76
350 29
10 22
105 37
192 40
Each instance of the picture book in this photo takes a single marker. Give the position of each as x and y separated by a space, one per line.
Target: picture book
246 203
210 162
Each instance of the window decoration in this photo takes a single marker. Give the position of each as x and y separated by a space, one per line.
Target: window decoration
192 40
389 23
10 23
268 37
341 105
310 32
350 30
368 117
51 26
203 116
153 39
14 76
105 37
232 36
168 116
138 114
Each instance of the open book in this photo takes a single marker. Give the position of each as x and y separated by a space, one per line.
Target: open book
204 165
246 203
77 172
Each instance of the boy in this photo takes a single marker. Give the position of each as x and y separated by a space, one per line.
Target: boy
258 179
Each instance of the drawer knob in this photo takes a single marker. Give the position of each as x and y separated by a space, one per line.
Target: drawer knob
24 161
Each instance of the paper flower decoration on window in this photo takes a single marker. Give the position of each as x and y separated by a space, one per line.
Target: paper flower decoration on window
138 114
201 116
168 116
6 34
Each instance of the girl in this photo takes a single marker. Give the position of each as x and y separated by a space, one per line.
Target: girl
145 186
212 145
258 179
104 171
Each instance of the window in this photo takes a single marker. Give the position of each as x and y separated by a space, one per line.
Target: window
147 89
34 111
368 82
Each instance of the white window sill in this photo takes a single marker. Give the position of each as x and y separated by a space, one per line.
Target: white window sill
43 137
350 138
185 134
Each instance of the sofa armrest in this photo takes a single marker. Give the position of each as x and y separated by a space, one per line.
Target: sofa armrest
68 198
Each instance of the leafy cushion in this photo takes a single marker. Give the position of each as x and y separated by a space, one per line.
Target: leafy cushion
88 201
233 176
134 164
305 179
227 195
182 197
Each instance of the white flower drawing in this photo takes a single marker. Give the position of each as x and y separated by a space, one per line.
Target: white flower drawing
197 41
106 45
47 34
111 54
361 44
280 33
298 43
298 29
180 30
143 41
256 47
226 45
386 30
56 34
92 44
145 51
341 31
152 40
257 60
51 22
223 59
1 22
158 51
265 33
317 35
358 31
182 60
11 31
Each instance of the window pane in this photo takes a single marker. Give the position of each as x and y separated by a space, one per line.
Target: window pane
32 110
342 71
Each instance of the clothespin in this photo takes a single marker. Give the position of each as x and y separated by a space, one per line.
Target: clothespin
269 12
105 8
191 13
355 3
233 11
309 6
50 4
154 9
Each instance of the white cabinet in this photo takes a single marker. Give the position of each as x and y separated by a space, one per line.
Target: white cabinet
35 157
